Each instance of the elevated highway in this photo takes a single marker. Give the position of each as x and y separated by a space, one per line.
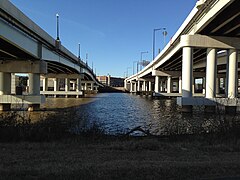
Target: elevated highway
26 48
206 48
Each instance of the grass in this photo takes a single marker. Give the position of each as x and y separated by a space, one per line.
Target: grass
47 150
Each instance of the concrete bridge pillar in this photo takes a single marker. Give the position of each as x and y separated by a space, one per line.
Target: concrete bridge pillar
187 76
78 86
55 85
211 73
169 84
45 84
157 79
5 89
131 86
135 86
217 86
138 86
161 86
34 84
34 89
67 85
149 86
180 84
92 86
232 74
144 86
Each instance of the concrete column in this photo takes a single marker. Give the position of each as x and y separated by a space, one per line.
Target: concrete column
180 85
232 74
204 85
66 84
5 83
149 86
131 86
161 86
144 86
187 76
156 89
92 86
5 89
74 85
135 86
125 85
45 84
187 72
34 89
78 86
211 73
217 86
34 84
13 83
169 84
55 84
138 86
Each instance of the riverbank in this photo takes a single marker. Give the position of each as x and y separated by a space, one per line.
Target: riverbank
111 157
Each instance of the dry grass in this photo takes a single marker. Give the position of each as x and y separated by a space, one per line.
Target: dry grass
120 158
45 150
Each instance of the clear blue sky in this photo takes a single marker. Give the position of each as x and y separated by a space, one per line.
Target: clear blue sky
112 32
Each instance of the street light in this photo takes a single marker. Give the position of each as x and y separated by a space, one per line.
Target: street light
133 66
57 18
79 49
144 52
127 70
164 34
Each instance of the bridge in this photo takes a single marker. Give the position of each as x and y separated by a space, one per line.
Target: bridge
200 64
26 48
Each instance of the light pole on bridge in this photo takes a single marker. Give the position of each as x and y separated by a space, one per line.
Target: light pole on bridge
164 35
57 19
144 52
79 51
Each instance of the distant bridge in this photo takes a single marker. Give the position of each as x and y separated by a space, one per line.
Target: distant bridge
204 48
26 48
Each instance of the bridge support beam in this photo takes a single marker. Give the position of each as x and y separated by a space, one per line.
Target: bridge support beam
34 89
144 86
131 86
5 89
232 78
180 85
169 84
211 75
187 76
156 89
78 86
138 86
149 86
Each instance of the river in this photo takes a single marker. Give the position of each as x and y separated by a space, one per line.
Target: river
119 113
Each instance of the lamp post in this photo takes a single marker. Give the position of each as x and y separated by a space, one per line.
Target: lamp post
144 52
127 70
164 34
57 18
133 66
79 51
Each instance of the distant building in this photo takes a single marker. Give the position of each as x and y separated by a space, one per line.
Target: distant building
111 81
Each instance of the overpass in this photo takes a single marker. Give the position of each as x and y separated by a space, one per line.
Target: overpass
205 48
26 48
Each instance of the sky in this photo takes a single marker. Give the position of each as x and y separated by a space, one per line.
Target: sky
112 32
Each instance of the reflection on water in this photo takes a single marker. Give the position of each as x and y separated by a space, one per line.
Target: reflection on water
119 113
